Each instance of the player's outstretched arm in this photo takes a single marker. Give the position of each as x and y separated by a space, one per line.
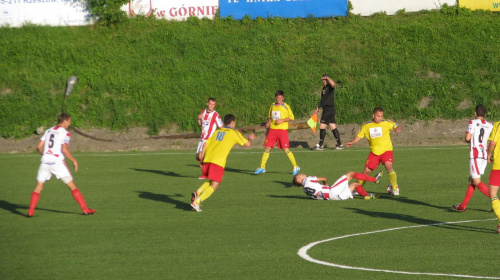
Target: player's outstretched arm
354 141
251 137
398 129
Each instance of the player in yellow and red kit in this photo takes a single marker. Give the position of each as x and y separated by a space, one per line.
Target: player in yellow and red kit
494 156
279 115
378 133
214 156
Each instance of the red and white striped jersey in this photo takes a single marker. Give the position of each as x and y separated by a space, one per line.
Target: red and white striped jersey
209 123
480 131
54 138
314 189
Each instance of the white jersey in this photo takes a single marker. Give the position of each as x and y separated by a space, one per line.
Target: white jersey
338 191
54 138
313 188
480 131
209 123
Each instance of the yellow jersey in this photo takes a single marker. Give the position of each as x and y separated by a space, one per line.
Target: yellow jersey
378 135
277 112
495 136
220 144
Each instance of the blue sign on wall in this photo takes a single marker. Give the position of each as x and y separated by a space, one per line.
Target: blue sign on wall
238 9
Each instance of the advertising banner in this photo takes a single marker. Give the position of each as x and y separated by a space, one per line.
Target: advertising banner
16 13
172 10
492 5
238 9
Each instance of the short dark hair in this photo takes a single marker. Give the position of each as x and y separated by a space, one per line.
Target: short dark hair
211 99
377 109
279 92
63 117
228 119
294 181
481 111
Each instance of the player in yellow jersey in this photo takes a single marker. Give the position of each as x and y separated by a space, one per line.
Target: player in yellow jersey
494 156
378 134
279 115
214 155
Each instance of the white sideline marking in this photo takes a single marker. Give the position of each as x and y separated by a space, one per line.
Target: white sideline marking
303 253
189 152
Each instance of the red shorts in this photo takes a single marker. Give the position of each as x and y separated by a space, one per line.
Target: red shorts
494 178
277 135
373 160
213 171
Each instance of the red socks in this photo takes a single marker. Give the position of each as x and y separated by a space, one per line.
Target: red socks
363 177
470 192
468 195
77 195
484 189
361 191
34 200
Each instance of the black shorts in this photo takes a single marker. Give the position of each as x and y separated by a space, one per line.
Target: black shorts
328 115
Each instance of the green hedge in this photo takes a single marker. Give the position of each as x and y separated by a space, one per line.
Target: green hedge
156 73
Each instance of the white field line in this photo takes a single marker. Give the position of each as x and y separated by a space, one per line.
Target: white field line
189 152
303 253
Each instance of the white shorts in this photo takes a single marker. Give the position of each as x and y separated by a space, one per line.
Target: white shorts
200 146
477 167
340 189
57 168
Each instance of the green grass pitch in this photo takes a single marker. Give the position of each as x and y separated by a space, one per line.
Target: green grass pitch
252 227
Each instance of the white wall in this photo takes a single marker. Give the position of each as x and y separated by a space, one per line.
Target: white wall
369 7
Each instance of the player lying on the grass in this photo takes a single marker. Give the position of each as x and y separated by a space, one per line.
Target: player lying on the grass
214 155
53 147
317 187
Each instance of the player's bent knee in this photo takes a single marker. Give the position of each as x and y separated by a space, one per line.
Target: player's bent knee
67 179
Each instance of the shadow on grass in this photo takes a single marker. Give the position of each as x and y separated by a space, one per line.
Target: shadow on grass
417 220
171 199
15 209
160 172
229 169
285 184
421 203
290 196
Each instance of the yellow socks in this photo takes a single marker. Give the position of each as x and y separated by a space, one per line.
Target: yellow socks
290 156
495 204
393 178
205 194
265 157
203 187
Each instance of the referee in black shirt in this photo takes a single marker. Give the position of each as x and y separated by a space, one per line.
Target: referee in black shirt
327 103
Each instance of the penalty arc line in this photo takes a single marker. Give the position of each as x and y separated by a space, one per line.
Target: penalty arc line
303 253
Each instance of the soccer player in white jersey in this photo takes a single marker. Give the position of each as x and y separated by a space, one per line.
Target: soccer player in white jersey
209 120
53 147
478 132
318 188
